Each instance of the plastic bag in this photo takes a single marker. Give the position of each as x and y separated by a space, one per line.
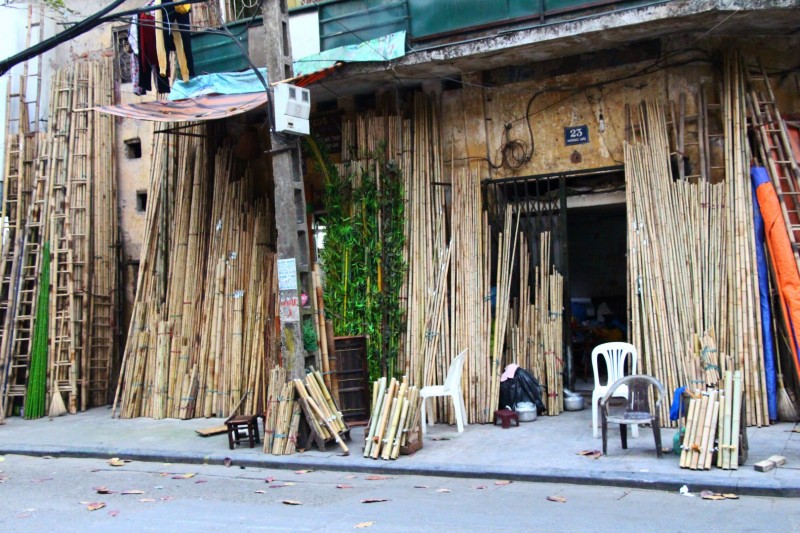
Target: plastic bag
523 387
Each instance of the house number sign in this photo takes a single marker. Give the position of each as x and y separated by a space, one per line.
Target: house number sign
576 135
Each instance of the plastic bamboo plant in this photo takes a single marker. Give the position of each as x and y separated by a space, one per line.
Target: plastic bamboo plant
363 256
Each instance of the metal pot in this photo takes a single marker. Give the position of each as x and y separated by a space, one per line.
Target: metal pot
526 411
573 403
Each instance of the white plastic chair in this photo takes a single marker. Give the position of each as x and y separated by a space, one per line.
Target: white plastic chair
451 388
615 354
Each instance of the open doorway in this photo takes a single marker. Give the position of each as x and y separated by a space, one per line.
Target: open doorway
598 282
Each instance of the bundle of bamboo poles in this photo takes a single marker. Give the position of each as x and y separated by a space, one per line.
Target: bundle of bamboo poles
698 448
691 256
395 416
730 421
63 193
207 287
321 411
283 432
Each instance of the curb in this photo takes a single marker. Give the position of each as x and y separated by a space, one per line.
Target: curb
639 480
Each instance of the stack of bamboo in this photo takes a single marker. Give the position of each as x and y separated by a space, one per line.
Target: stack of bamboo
201 337
63 193
701 430
395 415
715 416
283 433
691 254
321 411
449 279
537 333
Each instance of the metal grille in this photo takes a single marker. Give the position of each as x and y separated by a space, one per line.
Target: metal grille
122 52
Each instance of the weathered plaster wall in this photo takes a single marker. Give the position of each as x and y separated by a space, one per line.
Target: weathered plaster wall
479 120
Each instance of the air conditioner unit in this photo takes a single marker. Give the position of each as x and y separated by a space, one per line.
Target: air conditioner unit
292 109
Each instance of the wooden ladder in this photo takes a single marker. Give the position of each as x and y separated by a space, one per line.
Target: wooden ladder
63 366
19 241
775 151
77 228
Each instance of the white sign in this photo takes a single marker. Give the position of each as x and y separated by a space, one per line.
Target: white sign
287 274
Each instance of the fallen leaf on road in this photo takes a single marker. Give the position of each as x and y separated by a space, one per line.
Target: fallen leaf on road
113 513
344 486
281 485
23 515
302 471
167 498
102 490
201 481
261 492
270 479
480 487
291 502
710 495
442 490
132 491
116 461
42 479
377 478
2 458
362 525
227 461
591 454
3 479
374 500
351 476
503 482
440 438
420 486
147 500
184 476
731 496
557 499
95 506
45 457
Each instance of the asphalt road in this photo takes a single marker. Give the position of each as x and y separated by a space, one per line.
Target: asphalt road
40 494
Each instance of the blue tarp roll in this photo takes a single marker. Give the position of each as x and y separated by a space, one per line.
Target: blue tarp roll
758 174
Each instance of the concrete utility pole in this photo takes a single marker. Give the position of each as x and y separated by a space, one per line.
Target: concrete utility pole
290 204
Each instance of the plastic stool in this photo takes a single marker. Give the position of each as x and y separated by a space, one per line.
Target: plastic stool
506 416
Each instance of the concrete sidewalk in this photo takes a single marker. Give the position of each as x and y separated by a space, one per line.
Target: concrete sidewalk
544 450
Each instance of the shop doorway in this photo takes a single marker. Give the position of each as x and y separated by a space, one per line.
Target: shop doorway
598 283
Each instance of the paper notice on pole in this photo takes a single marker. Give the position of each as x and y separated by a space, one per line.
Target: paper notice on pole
289 307
287 274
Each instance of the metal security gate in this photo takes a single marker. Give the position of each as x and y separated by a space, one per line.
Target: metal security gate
540 203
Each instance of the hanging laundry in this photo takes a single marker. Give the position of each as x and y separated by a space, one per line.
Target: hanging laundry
178 26
148 56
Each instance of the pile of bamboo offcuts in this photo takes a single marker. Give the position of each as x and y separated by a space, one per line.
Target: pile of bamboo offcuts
202 335
714 418
395 417
59 188
694 309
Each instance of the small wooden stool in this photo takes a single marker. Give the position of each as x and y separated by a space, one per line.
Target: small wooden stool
506 416
238 425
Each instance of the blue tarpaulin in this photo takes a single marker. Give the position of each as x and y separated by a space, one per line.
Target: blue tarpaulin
229 83
758 174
